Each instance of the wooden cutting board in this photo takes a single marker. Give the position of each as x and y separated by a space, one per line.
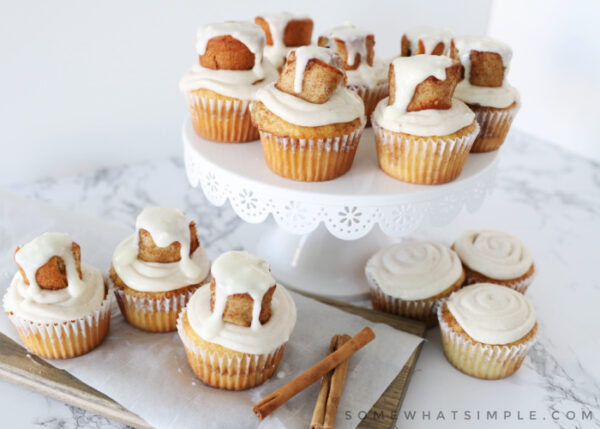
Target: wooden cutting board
20 367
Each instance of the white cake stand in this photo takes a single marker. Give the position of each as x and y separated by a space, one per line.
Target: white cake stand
321 234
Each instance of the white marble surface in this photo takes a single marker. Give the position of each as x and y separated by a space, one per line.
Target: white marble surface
548 198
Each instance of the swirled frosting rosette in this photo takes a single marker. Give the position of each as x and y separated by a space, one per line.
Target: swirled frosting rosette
487 330
495 257
410 278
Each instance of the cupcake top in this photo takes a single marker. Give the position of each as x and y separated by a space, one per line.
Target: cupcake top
310 90
355 46
164 253
494 254
52 284
420 101
414 270
426 40
283 32
230 60
244 309
485 62
492 314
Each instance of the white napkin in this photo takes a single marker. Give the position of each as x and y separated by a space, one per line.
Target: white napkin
148 373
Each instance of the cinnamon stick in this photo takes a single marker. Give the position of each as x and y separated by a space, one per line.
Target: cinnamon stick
330 391
273 401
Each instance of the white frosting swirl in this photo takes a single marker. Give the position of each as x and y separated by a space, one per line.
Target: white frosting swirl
46 306
166 226
430 36
428 122
492 314
464 46
343 106
414 270
498 97
369 76
494 254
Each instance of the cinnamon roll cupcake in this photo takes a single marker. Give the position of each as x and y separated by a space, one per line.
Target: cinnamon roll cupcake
487 330
156 270
495 257
426 40
410 278
235 332
59 306
309 123
485 89
422 134
365 74
221 87
283 32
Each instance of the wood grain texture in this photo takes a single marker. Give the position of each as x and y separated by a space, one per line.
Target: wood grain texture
20 367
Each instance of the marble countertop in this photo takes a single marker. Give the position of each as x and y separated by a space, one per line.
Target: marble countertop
545 196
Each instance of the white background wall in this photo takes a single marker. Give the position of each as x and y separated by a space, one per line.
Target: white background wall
87 84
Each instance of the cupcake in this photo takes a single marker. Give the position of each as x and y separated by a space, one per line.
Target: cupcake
59 306
487 330
309 123
485 89
495 257
283 32
410 278
156 270
221 87
426 40
365 74
422 134
235 331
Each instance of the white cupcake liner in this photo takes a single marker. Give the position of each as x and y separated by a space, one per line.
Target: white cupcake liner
495 124
221 120
64 339
231 372
487 361
520 285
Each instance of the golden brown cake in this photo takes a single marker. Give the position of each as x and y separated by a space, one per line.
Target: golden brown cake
426 40
365 73
485 89
59 306
156 271
229 342
220 88
487 330
423 135
309 123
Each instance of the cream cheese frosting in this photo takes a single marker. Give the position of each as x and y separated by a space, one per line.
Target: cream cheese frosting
492 314
343 106
494 254
414 270
430 36
498 97
165 225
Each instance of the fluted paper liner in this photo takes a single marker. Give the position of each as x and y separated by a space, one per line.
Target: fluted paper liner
487 361
153 314
423 160
220 120
67 339
228 371
371 96
495 124
310 160
520 285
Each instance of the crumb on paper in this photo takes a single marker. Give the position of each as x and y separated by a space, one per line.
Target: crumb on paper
280 374
179 370
193 383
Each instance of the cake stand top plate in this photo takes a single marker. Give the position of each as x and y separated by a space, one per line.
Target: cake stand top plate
349 206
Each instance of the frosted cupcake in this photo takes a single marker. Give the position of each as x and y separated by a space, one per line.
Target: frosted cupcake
156 270
365 74
409 279
495 257
422 134
283 32
235 332
426 40
309 123
59 306
221 87
485 89
487 330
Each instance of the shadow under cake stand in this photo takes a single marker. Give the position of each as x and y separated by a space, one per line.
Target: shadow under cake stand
320 235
